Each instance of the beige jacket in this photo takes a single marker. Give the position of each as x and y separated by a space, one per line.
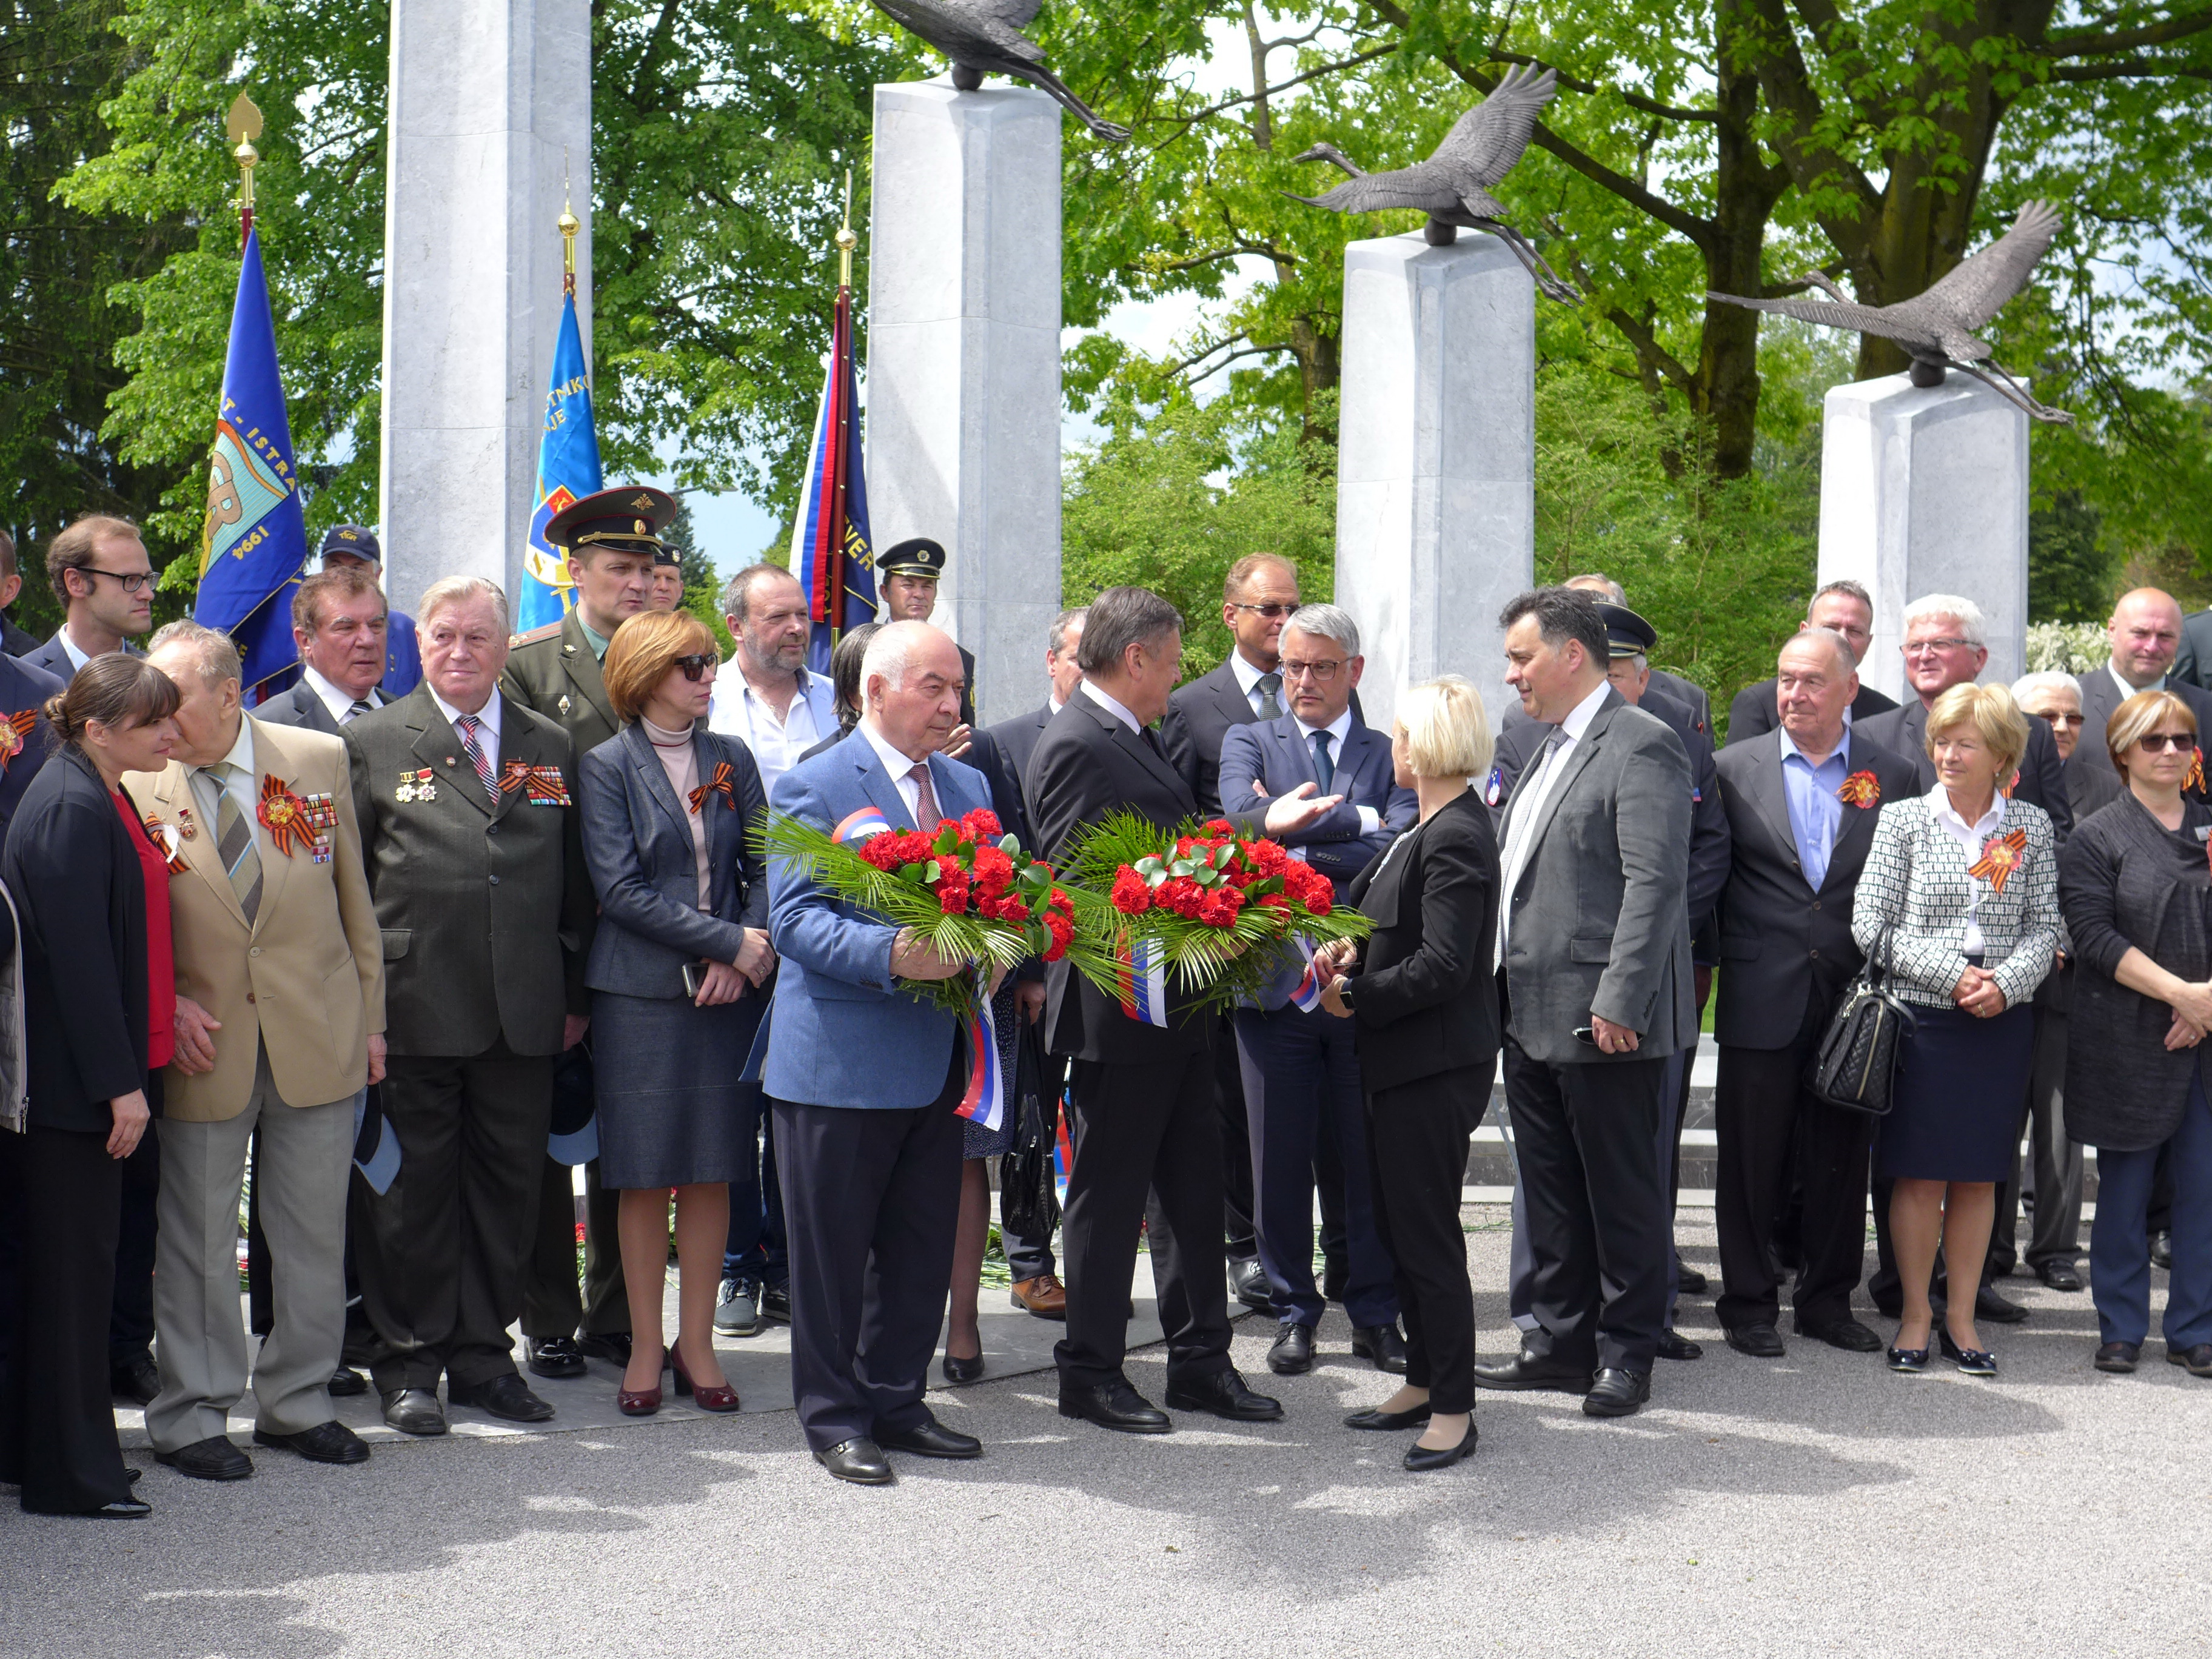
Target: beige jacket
306 979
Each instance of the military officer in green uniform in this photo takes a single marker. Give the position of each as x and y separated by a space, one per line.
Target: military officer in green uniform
611 539
911 571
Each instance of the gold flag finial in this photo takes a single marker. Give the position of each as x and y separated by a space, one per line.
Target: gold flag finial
569 225
243 124
846 240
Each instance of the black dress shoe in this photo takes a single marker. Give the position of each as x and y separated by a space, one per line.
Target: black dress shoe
1846 1333
613 1347
931 1438
957 1370
123 1508
2162 1248
1248 1280
1688 1281
133 1475
1291 1353
861 1461
346 1380
1420 1459
2197 1359
135 1379
555 1357
1761 1341
1974 1362
1525 1371
1223 1393
776 1303
1113 1406
1989 1305
212 1459
507 1396
2119 1357
1673 1345
413 1411
1375 1418
2059 1275
1382 1344
327 1443
1616 1392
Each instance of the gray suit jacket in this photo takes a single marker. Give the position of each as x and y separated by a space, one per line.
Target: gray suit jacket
300 706
2194 661
1600 922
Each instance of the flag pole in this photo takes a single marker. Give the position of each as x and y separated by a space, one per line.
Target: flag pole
244 125
569 224
841 345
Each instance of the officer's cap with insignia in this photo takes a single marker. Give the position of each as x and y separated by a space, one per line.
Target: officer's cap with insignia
1627 634
665 556
918 555
630 519
351 541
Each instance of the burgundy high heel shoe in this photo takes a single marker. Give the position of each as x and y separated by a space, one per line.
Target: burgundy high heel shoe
723 1398
643 1402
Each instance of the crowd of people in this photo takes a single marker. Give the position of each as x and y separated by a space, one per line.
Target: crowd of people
398 946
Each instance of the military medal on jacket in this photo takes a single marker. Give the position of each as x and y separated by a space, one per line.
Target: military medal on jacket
418 785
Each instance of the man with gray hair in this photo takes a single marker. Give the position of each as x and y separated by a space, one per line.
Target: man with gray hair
1845 609
1301 1072
774 704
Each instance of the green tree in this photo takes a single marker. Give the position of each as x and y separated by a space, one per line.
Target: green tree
2070 569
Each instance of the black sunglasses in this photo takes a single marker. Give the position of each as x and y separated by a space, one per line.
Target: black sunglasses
2152 742
694 666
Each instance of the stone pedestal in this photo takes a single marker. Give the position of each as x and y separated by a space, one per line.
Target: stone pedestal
1924 490
964 364
1435 495
486 96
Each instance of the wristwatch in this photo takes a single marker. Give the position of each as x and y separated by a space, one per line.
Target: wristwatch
1343 989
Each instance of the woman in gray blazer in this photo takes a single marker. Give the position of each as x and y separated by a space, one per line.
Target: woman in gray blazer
667 806
1959 899
2137 896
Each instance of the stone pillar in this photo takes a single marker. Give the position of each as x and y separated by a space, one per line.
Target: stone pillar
1436 491
486 97
964 364
1923 490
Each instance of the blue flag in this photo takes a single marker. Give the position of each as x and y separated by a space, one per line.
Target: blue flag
253 547
568 471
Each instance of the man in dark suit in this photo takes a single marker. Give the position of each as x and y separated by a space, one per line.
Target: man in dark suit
1143 1088
2192 660
1301 1071
1595 954
339 624
25 737
355 547
470 835
1846 609
911 570
610 538
105 582
1016 739
2145 634
1801 805
13 642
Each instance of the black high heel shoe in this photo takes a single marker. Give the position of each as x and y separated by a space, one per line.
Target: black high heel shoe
1421 1460
1375 1417
1974 1362
962 1371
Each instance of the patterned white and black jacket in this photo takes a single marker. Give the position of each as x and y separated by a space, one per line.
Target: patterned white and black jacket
1917 889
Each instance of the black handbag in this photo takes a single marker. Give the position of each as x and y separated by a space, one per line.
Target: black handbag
1856 1066
1028 1190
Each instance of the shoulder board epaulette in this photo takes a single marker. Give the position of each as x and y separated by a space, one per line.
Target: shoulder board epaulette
552 630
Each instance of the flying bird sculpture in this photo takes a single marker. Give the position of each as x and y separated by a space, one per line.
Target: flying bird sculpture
984 37
1937 327
1453 185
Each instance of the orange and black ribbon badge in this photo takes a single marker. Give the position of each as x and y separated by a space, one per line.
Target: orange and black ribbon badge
290 821
2011 784
542 786
1861 789
723 786
2194 781
2000 856
165 837
15 730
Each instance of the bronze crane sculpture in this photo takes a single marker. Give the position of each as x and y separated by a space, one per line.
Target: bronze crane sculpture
984 37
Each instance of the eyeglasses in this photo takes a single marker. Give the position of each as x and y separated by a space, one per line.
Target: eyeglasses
2065 719
1323 672
133 580
694 666
2153 742
1269 610
1934 648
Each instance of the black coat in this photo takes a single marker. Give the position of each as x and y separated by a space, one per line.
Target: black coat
73 868
1753 710
1425 999
29 740
300 706
1198 716
2123 881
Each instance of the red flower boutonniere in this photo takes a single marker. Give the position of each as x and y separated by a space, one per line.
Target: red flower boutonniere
2000 856
722 785
1861 789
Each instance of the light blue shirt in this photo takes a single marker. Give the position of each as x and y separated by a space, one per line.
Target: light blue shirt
1816 808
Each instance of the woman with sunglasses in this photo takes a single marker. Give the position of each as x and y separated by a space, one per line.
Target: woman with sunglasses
2137 894
676 972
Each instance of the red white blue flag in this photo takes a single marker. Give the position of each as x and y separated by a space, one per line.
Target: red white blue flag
830 547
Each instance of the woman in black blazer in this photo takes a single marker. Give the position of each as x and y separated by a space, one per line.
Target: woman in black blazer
74 866
667 806
1424 993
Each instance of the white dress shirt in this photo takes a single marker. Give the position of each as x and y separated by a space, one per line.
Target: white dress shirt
487 717
1248 679
77 658
900 767
340 703
777 740
1528 798
2125 689
1971 837
1117 710
243 786
1338 730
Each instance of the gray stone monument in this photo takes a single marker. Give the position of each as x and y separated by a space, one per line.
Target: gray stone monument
1436 492
490 105
964 364
1923 490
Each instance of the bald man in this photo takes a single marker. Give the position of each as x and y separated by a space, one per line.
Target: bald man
2145 632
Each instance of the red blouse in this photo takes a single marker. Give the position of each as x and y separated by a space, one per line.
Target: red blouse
161 963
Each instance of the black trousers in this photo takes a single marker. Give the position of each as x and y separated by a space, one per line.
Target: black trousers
444 1250
550 1303
1417 1144
1596 1204
1240 1232
1027 1255
1763 1115
61 1197
131 1313
1135 1128
871 1200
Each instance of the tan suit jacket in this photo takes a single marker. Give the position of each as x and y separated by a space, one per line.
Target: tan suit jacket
306 978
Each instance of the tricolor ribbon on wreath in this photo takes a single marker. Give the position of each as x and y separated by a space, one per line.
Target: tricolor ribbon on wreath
1144 981
1305 995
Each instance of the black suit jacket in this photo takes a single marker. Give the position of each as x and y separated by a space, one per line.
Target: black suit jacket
989 756
2193 662
1782 943
53 657
1198 716
73 869
1425 1000
27 740
300 706
1017 740
2100 701
1752 713
14 641
2042 779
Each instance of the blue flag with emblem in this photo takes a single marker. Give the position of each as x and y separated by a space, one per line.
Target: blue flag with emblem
254 545
568 471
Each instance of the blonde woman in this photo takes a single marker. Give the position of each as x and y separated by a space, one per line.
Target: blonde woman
1959 900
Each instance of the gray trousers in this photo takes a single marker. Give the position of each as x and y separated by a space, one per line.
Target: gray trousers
2054 1163
307 1154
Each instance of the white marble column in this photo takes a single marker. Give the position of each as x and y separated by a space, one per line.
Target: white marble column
486 96
1924 490
964 364
1436 494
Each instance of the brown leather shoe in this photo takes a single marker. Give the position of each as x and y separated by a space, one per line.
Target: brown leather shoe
1043 1295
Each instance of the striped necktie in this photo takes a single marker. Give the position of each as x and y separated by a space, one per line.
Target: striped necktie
469 725
360 706
234 841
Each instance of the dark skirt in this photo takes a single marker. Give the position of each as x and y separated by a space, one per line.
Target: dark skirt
672 1110
1961 1089
975 1140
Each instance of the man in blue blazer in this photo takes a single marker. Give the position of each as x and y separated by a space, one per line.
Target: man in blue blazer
1301 1075
863 1078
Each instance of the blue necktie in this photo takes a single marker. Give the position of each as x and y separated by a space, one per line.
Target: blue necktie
1324 768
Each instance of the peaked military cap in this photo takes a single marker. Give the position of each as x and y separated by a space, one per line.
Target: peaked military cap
918 555
352 540
1627 634
631 517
